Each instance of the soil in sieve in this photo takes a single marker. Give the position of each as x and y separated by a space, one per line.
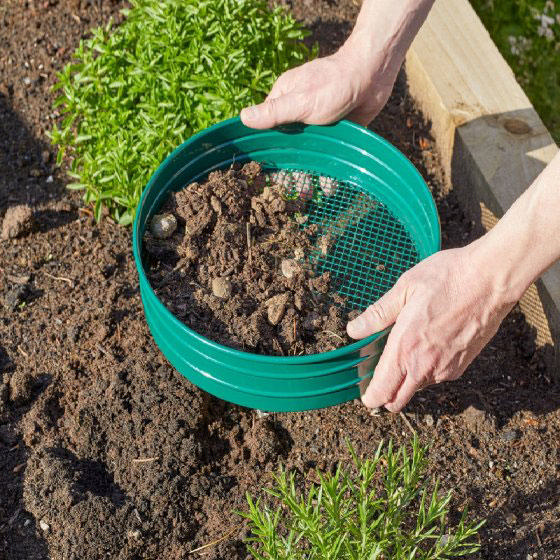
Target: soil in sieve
239 267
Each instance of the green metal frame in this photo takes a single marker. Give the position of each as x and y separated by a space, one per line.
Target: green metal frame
404 227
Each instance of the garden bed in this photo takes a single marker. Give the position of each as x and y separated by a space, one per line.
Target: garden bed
107 452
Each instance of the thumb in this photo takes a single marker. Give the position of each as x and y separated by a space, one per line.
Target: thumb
273 111
378 316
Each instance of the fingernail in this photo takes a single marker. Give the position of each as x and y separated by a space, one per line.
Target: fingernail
249 112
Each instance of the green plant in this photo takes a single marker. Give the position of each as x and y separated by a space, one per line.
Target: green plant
527 33
173 67
382 511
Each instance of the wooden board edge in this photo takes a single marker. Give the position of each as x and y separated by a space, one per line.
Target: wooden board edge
464 145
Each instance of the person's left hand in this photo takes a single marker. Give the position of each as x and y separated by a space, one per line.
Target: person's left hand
444 310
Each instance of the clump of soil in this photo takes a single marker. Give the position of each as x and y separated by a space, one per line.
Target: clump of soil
240 272
17 222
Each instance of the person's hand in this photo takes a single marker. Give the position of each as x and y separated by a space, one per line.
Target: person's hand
444 311
325 90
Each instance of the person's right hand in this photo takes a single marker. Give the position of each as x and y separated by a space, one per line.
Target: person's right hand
327 89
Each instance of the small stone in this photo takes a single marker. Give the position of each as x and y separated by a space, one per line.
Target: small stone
299 253
50 179
511 519
261 414
298 302
27 81
221 287
429 420
216 204
135 534
18 221
290 267
276 307
44 525
510 435
477 420
163 226
191 251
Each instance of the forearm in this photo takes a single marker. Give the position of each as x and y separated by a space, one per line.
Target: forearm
526 241
384 30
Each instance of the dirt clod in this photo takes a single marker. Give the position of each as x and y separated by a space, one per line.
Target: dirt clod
247 282
276 307
221 287
17 222
21 387
14 297
290 267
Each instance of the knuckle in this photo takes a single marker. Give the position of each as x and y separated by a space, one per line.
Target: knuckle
270 106
376 312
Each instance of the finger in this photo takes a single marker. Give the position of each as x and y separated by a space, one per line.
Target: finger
274 111
404 394
387 377
378 316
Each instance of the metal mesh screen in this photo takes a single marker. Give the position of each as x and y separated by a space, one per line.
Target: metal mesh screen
359 241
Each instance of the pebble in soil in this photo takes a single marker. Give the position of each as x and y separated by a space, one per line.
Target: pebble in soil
233 268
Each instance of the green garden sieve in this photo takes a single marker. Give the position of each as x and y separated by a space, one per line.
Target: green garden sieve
378 212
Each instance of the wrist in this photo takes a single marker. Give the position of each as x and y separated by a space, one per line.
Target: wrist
498 269
383 32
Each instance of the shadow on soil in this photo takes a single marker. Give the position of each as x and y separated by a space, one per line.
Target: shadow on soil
28 172
538 541
27 177
18 529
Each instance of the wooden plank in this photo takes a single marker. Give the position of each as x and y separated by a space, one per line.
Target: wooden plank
492 142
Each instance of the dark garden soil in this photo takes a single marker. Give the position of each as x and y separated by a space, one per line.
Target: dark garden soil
230 257
107 452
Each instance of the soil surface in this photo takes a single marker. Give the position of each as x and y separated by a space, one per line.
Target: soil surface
107 452
239 268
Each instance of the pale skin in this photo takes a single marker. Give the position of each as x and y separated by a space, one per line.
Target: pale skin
448 307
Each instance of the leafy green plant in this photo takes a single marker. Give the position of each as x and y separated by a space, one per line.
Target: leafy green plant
383 510
173 67
527 33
